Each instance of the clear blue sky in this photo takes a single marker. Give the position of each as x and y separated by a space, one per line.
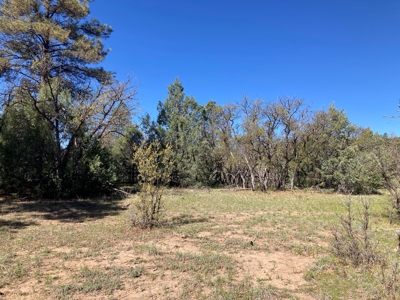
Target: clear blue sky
345 52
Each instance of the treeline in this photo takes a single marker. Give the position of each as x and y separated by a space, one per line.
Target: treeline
251 144
66 125
261 145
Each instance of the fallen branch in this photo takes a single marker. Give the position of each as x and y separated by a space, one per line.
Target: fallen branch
122 192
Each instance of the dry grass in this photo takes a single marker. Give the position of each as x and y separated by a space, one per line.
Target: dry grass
215 244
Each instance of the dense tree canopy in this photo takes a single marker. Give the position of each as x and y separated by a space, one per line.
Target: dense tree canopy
185 125
48 39
48 53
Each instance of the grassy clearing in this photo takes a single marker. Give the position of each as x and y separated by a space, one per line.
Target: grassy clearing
214 244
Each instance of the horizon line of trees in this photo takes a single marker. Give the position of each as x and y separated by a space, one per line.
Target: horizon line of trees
260 145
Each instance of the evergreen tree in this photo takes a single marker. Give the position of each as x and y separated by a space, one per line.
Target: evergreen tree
25 152
184 125
48 39
48 53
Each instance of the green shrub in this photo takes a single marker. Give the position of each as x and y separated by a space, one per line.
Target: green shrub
155 167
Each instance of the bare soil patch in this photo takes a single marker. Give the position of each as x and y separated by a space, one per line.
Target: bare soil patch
280 269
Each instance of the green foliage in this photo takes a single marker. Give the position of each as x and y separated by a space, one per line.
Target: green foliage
185 125
48 54
154 165
122 152
50 39
334 134
27 150
92 170
356 172
26 146
64 116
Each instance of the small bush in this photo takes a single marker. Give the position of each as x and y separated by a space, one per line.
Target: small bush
353 241
390 281
137 271
155 167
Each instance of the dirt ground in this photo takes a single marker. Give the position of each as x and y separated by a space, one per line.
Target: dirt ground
88 250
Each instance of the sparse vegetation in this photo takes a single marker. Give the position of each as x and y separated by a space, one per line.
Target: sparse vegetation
203 250
387 157
353 240
67 130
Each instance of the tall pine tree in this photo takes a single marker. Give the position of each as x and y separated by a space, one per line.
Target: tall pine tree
186 128
48 53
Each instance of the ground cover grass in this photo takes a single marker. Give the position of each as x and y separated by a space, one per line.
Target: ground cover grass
214 244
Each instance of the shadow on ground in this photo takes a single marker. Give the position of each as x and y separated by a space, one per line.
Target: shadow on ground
15 225
61 210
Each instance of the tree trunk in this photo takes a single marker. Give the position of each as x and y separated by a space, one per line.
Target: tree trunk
292 181
266 179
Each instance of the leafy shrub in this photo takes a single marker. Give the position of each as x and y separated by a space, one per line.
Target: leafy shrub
155 167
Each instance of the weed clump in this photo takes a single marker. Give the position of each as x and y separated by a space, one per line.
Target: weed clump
352 240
